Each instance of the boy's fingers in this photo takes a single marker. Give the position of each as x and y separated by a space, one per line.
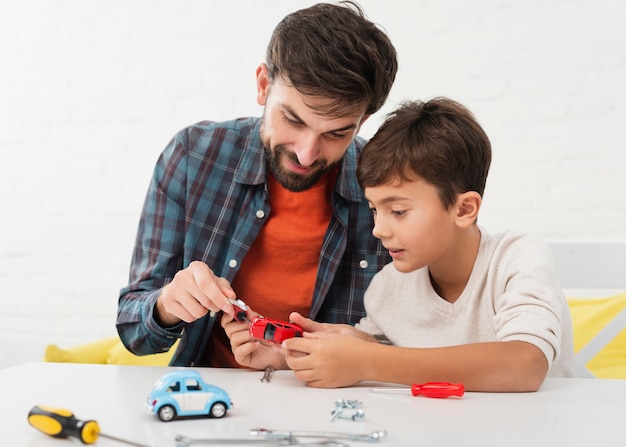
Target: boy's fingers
306 324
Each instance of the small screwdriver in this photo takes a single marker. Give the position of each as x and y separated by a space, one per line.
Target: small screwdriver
241 309
60 423
430 389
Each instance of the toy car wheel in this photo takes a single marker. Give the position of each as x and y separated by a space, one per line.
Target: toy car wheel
167 413
218 410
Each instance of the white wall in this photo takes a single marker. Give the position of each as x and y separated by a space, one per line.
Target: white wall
91 92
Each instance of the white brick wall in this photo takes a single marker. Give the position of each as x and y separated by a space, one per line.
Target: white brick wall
91 92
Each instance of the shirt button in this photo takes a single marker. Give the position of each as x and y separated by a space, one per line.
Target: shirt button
363 264
232 263
260 214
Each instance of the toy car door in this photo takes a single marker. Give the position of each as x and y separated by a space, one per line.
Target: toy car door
196 397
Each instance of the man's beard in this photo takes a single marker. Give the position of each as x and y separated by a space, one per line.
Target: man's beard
290 180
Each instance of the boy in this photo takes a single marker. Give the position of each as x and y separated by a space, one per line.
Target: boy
456 304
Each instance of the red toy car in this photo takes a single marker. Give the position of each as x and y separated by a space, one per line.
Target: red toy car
275 331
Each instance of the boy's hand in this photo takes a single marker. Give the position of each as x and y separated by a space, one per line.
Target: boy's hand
309 325
327 360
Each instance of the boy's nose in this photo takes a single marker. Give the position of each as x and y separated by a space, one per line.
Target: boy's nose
380 231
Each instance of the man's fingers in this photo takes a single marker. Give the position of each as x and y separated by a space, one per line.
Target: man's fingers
176 300
191 310
194 292
232 326
211 291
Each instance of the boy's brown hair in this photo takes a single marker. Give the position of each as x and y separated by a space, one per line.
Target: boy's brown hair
333 51
438 140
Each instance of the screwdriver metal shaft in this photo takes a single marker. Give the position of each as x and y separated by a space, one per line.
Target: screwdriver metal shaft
123 441
61 423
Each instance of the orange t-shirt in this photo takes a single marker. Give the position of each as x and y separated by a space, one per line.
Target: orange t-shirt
278 274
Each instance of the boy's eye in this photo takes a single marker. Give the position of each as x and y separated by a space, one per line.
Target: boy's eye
373 210
398 212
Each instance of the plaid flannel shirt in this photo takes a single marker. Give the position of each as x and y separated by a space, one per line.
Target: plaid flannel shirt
207 201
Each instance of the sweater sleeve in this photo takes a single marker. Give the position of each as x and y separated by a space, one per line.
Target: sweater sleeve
528 301
368 324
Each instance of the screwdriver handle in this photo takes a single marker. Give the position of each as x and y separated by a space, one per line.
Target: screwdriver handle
438 389
60 423
240 314
241 309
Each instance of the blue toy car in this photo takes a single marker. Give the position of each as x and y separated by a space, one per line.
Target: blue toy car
184 393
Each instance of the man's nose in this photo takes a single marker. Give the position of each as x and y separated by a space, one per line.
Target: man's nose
307 150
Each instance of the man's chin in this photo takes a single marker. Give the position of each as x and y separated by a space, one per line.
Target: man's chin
296 182
280 162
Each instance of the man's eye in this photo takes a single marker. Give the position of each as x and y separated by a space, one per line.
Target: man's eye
338 136
292 122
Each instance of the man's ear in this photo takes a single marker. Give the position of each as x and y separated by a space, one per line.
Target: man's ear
468 205
262 84
365 117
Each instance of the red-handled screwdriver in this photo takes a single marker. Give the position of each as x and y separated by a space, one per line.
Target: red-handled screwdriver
241 309
430 389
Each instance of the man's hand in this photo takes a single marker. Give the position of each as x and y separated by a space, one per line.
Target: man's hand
248 351
194 292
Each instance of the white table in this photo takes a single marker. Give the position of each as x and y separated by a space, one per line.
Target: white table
565 412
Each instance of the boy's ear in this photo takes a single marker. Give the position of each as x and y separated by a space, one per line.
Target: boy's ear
468 205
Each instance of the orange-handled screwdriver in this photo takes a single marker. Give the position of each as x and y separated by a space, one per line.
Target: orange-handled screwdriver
430 389
60 423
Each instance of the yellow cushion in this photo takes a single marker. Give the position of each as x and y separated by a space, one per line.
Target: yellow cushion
94 352
119 355
106 351
590 316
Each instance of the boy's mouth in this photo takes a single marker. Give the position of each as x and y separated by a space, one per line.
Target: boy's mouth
394 251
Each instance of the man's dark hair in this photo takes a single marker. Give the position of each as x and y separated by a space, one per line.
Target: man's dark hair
439 141
333 51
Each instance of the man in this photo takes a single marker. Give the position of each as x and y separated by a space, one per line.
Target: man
268 210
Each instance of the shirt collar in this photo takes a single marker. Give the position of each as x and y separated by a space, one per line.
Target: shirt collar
252 166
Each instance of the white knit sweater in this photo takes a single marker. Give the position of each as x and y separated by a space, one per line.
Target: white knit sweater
512 294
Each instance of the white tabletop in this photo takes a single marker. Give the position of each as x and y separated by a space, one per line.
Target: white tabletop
565 412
